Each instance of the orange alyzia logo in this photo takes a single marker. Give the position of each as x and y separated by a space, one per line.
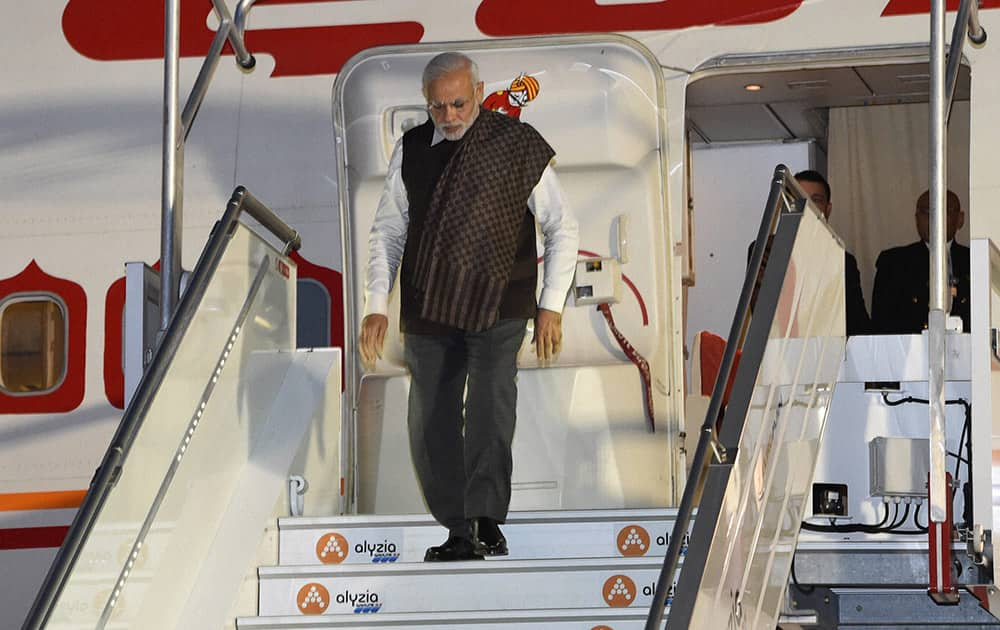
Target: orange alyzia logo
619 591
313 599
332 548
633 540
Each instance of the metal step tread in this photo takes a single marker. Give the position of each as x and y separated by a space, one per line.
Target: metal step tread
490 565
472 586
542 618
530 535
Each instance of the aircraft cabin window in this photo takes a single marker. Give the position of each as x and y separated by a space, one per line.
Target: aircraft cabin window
33 349
313 315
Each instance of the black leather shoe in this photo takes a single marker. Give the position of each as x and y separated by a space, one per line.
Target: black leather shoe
455 548
488 538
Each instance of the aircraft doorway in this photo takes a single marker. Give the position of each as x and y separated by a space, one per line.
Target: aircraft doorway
862 124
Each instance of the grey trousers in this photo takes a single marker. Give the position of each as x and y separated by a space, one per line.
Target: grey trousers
462 449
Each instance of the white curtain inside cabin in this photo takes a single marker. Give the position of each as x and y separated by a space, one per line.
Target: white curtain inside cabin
877 167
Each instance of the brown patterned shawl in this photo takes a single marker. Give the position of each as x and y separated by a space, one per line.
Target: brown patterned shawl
469 240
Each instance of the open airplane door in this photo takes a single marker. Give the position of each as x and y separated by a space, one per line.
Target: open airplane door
584 437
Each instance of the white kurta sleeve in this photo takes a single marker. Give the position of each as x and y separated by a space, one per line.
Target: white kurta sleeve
561 235
387 238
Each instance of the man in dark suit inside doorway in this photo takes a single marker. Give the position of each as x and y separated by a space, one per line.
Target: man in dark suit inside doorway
858 323
902 275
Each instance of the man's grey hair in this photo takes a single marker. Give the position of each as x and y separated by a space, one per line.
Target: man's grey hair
446 63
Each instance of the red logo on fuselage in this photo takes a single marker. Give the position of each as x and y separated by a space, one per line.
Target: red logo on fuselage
112 31
118 31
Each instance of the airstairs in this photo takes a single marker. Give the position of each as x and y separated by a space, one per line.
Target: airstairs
567 569
178 512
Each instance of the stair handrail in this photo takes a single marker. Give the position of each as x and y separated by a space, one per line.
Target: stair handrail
943 77
708 441
106 475
176 129
967 20
243 56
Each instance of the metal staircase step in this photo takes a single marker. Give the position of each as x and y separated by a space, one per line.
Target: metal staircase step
531 535
469 586
586 619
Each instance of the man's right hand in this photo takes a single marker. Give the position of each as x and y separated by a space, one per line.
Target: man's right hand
372 338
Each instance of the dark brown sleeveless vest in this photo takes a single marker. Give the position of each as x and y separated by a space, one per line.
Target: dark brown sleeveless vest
422 167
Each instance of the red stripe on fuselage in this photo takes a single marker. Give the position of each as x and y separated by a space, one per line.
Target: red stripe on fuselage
500 18
32 537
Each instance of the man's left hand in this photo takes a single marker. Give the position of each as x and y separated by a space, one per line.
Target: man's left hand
548 334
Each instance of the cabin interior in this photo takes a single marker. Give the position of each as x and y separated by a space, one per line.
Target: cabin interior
864 127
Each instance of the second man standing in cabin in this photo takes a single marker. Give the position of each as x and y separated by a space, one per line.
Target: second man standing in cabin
901 294
461 198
